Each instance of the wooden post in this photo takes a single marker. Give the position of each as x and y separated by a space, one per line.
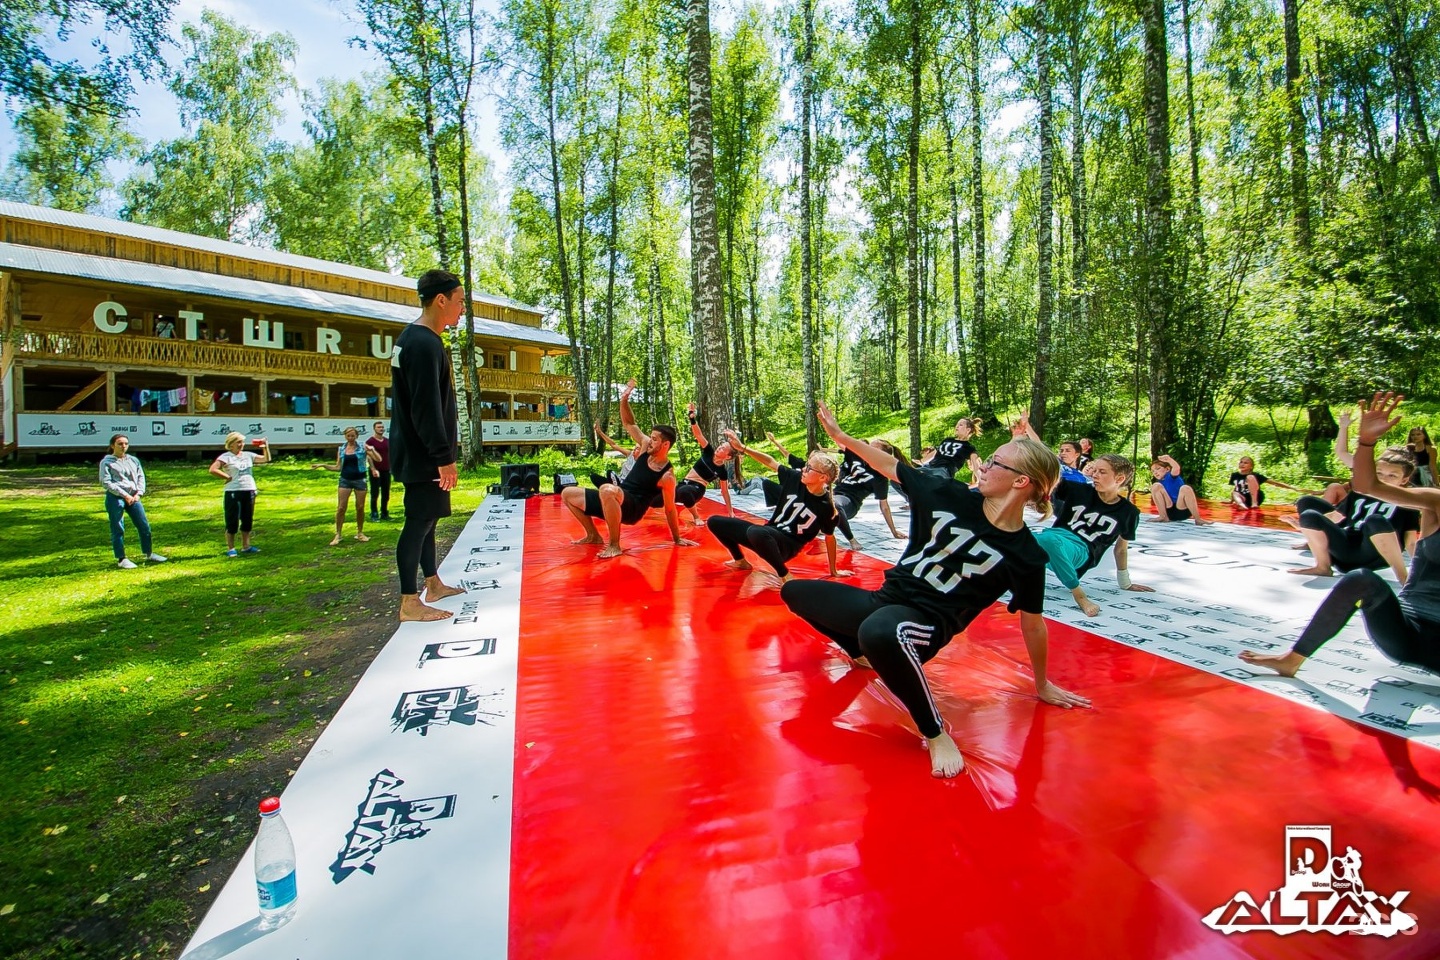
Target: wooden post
189 392
110 392
324 399
262 396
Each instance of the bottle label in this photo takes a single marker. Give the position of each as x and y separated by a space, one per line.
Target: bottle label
277 894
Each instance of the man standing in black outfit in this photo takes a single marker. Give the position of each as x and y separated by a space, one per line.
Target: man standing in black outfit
425 439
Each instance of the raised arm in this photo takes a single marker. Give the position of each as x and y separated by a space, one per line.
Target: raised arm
1377 418
777 444
1342 441
610 442
764 459
627 417
877 459
695 430
1170 462
265 448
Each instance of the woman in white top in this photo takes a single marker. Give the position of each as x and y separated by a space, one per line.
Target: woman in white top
236 468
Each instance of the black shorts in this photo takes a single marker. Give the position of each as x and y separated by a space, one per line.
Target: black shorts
424 500
1177 513
632 508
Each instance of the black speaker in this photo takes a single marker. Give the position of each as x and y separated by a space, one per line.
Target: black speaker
563 480
519 480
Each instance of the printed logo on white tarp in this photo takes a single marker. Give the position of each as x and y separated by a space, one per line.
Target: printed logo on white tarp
1323 893
424 710
383 818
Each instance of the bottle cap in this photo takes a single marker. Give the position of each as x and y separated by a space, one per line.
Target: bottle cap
269 805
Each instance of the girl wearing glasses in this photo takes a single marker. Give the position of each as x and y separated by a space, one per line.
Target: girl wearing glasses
1089 519
804 511
967 547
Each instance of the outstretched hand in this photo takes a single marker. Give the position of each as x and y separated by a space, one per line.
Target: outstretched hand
827 420
1378 417
1060 697
628 389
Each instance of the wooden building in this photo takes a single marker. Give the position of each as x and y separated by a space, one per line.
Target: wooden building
176 339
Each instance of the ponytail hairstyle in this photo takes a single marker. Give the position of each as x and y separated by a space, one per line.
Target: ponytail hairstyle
976 427
1039 463
886 446
830 467
1402 458
1123 468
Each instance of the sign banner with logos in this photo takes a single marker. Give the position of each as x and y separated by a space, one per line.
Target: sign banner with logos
54 431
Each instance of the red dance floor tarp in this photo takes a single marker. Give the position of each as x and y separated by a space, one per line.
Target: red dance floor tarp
703 776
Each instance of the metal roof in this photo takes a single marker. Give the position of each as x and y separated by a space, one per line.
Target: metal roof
138 231
14 256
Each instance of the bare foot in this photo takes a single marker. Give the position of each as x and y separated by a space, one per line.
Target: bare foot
436 589
411 609
595 539
362 538
336 541
1286 665
741 564
1089 608
854 544
1290 521
1204 523
757 583
1316 571
611 550
945 759
1300 546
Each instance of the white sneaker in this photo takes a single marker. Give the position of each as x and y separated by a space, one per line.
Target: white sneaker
156 558
127 564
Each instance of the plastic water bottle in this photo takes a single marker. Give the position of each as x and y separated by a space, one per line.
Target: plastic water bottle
274 867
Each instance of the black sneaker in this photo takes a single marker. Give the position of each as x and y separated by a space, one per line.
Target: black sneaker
374 516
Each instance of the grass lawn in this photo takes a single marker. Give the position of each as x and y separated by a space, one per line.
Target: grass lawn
147 711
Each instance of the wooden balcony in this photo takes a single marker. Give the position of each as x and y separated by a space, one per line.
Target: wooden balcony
515 381
199 357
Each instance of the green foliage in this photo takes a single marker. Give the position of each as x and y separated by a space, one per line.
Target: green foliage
63 155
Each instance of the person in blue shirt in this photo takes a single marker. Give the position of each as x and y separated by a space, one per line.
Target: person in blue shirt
1174 499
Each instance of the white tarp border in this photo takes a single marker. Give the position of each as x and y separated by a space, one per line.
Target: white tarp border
401 812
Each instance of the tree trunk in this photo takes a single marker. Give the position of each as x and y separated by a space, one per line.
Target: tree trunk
713 393
912 229
1299 156
807 293
1404 65
985 409
1158 214
1046 227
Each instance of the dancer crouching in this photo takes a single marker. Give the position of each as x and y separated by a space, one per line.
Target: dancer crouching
804 511
967 547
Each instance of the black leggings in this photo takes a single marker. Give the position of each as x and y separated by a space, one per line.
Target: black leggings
415 548
380 493
1350 548
239 511
772 545
687 494
1400 636
896 639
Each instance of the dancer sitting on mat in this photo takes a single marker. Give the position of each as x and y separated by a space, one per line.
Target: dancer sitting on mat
1403 627
1245 484
1174 499
713 465
628 501
967 547
955 452
1071 462
805 510
857 481
1089 518
1361 532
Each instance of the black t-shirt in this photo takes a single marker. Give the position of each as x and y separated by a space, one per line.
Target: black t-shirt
1079 509
424 426
957 562
951 455
1241 484
706 466
643 480
800 513
1357 508
857 480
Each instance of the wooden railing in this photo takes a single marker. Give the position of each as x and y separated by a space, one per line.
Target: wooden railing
514 381
262 363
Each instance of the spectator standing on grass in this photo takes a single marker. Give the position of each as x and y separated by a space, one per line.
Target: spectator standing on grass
236 466
123 478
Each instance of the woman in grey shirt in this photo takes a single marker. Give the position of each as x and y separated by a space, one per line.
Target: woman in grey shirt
124 481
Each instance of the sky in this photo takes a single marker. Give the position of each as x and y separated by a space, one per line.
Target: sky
320 29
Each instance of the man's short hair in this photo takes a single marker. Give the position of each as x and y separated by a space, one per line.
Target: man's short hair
379 423
666 431
432 283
